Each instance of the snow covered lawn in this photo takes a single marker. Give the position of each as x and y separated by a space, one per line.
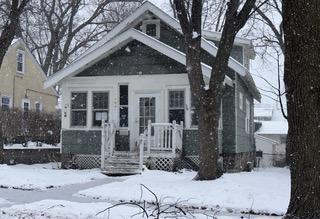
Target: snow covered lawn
43 176
263 190
66 209
59 209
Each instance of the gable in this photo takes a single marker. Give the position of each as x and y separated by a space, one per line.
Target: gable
134 58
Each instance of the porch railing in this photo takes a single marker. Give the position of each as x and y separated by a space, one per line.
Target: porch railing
107 141
160 137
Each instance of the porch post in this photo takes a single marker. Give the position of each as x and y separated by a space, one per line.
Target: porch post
174 137
149 137
141 155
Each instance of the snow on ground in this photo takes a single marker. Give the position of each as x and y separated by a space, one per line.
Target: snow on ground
43 176
263 190
66 209
31 145
3 202
59 209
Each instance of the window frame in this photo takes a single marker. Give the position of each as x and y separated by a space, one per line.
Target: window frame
86 109
10 102
153 21
40 107
184 103
121 105
247 117
93 110
23 61
22 106
241 101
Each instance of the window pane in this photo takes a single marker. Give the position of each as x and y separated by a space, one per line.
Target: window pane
176 99
151 29
79 118
100 100
123 116
177 115
98 116
78 100
124 95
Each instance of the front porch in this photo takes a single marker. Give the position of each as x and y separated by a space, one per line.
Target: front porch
157 147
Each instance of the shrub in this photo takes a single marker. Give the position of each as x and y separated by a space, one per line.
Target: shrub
17 127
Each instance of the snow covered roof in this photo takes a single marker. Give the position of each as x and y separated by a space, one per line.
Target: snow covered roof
273 127
263 112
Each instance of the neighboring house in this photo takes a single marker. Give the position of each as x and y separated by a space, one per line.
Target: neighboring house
136 74
271 136
21 81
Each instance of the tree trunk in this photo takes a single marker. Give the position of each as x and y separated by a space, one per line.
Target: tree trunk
302 80
209 141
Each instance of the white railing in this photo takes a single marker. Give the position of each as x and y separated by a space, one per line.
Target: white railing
107 141
164 137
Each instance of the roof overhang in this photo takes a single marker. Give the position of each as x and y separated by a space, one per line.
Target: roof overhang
117 42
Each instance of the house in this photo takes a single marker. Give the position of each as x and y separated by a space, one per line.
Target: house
135 78
271 136
21 81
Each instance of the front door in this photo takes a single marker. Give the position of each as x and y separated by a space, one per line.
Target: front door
147 109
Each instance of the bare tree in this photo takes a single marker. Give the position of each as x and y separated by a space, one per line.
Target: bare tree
301 21
10 21
57 31
209 98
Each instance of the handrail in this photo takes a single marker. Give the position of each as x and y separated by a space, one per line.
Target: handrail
107 140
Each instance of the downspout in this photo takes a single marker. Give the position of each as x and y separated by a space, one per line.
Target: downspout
236 111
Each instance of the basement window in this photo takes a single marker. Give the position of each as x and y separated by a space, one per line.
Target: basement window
151 28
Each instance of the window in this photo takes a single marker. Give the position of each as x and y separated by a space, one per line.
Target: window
20 62
176 106
38 107
78 109
240 100
5 103
247 122
124 101
25 107
151 27
100 103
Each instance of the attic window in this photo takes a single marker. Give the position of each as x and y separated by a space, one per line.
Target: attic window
151 28
20 62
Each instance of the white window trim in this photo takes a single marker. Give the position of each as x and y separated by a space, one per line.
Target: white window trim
25 101
185 104
10 100
87 109
241 100
156 22
247 117
41 106
23 61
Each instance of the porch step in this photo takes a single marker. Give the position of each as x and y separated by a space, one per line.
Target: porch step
121 165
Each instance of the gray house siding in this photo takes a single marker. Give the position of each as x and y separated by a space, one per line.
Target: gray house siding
191 146
134 59
175 39
228 121
81 142
244 140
